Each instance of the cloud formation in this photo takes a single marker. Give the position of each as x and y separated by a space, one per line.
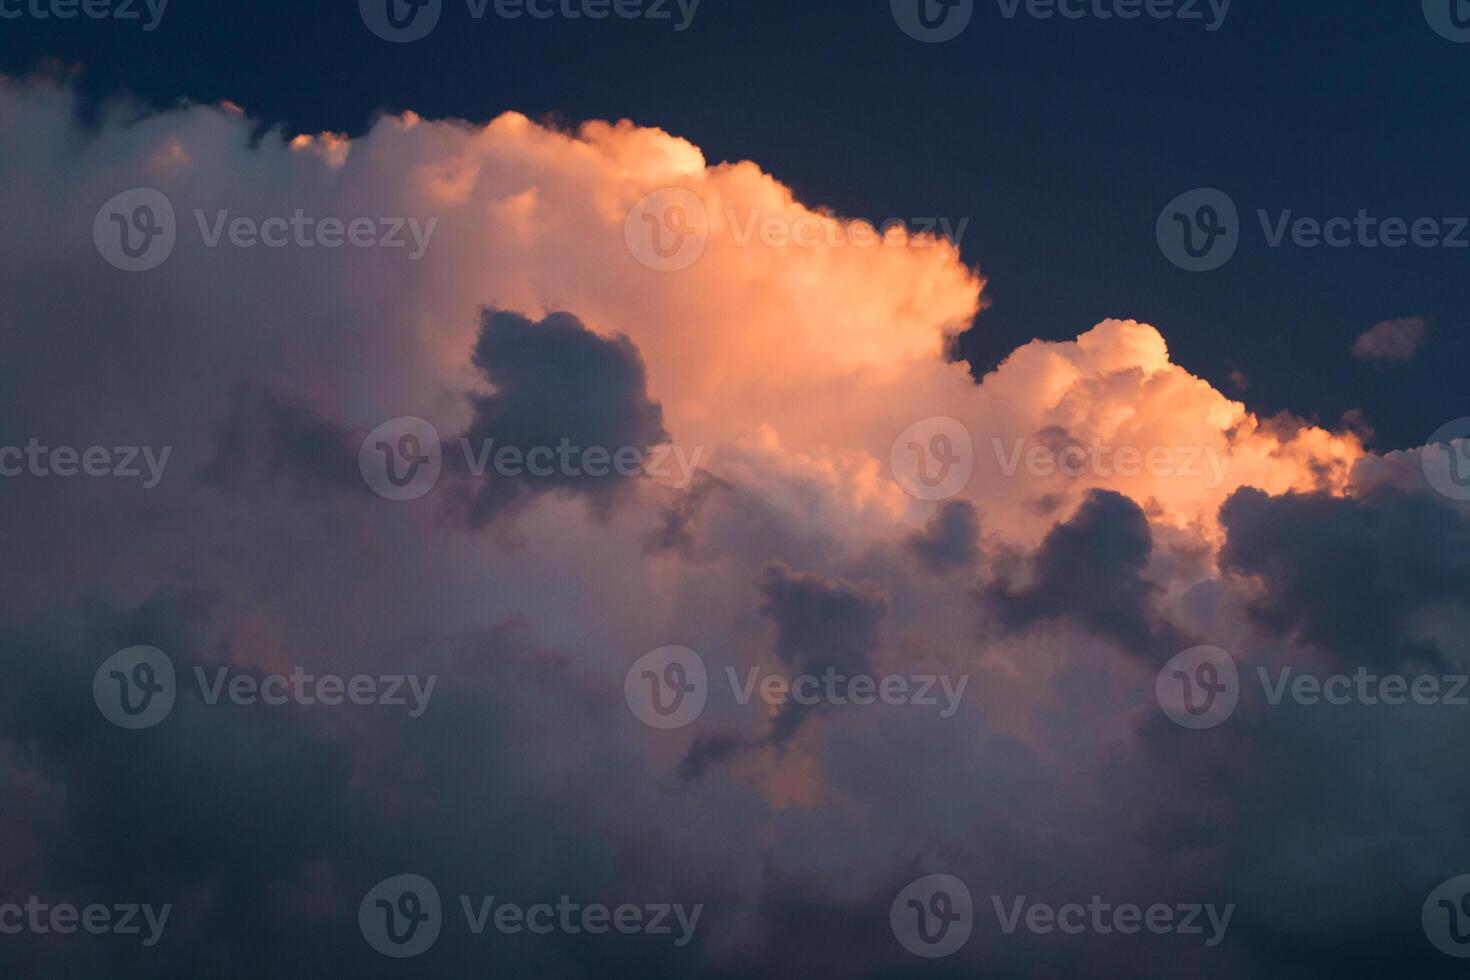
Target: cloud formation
1119 508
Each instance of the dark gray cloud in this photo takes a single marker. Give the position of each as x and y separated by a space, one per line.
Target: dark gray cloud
1090 570
267 436
821 624
1351 576
951 539
557 385
677 531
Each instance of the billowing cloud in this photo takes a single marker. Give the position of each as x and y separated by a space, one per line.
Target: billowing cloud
1117 507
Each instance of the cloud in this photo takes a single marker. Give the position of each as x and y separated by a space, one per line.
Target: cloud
560 393
267 437
951 539
1368 581
1391 341
1091 569
528 320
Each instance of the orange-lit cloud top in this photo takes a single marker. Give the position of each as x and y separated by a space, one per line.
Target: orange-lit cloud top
821 340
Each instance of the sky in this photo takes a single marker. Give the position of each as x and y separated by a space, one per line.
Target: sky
718 490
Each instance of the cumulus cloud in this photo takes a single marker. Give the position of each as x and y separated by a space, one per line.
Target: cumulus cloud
527 319
1368 581
1093 567
559 392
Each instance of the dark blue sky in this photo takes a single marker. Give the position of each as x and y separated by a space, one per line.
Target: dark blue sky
1060 140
